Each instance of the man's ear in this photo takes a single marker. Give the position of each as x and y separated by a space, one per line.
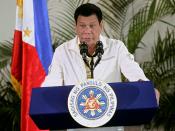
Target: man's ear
75 28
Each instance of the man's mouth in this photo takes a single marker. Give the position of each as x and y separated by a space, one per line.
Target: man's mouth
86 39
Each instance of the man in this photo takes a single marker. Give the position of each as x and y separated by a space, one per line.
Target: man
68 67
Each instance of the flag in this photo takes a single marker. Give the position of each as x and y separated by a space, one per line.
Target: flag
32 53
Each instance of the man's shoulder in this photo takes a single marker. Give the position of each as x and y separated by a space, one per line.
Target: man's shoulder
66 44
112 41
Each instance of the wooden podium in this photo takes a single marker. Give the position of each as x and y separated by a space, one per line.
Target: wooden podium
136 104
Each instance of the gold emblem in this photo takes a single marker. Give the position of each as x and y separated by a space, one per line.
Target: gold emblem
92 103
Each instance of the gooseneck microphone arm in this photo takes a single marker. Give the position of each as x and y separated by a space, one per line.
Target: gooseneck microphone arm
99 52
92 67
84 52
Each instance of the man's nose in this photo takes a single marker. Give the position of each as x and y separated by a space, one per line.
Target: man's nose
87 29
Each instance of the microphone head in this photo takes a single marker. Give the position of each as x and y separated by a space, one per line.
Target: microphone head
83 48
99 47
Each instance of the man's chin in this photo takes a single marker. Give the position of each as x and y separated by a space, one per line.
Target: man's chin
87 40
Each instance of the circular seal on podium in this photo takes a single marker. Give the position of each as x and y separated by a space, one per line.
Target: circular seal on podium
92 103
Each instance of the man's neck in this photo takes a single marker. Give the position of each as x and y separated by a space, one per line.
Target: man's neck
91 49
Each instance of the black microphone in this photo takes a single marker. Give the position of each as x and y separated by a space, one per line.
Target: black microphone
84 51
99 48
99 51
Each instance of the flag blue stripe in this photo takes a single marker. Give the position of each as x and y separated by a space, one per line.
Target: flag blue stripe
42 33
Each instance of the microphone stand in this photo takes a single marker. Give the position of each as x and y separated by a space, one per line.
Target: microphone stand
92 67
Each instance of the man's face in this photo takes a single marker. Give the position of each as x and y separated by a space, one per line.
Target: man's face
88 29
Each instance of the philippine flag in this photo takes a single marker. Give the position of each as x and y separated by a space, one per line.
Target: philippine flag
32 53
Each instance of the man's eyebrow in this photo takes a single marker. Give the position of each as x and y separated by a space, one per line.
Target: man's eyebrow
84 22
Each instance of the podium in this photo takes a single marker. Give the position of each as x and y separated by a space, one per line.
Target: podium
136 104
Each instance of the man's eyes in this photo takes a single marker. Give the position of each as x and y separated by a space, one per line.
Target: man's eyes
83 26
91 26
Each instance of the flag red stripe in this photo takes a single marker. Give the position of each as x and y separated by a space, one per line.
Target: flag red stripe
17 56
33 75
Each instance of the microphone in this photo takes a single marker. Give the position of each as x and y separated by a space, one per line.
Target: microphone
84 51
99 48
99 51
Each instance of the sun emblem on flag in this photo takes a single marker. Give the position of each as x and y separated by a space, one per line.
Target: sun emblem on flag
92 103
19 4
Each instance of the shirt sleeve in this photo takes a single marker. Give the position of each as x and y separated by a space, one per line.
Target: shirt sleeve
130 69
55 74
